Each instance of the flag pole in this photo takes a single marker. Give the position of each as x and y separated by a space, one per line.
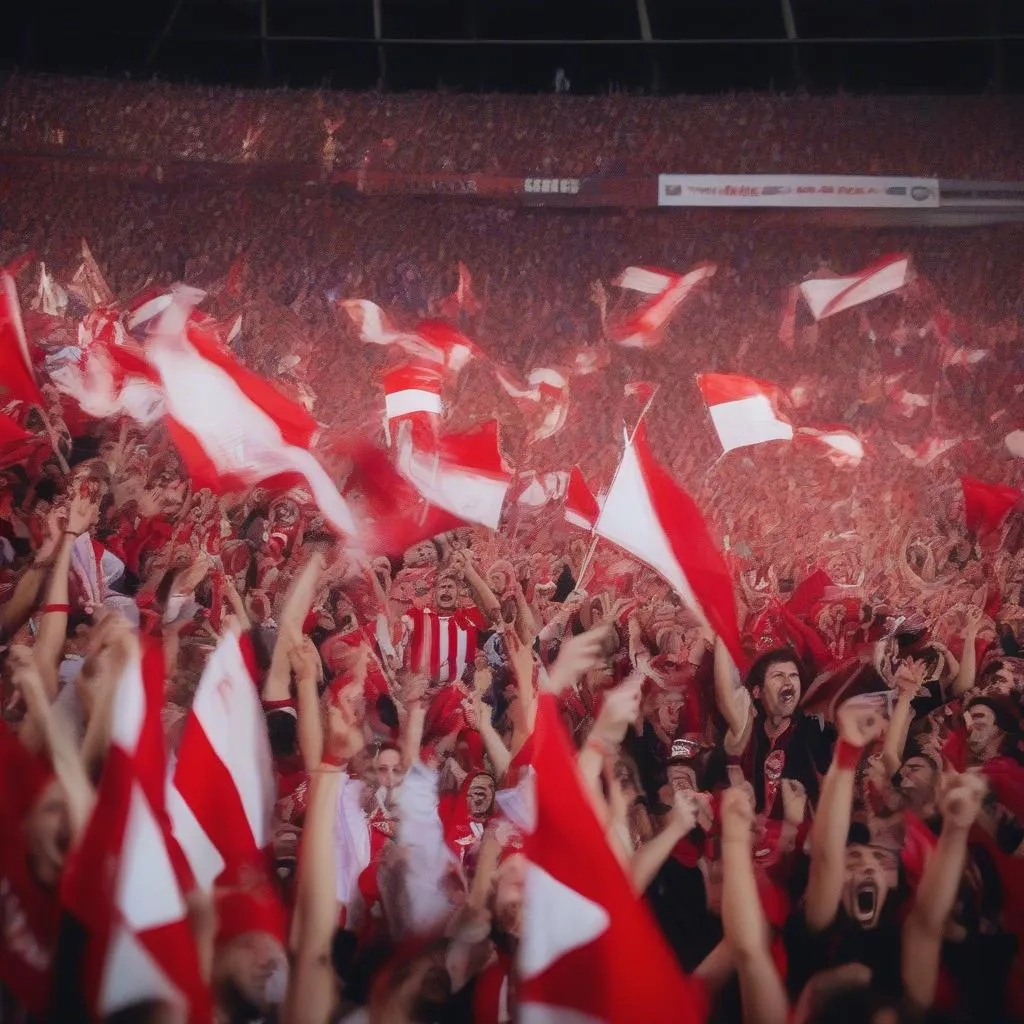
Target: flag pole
594 536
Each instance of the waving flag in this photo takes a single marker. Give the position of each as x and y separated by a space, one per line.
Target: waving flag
844 447
16 374
146 307
542 489
221 795
88 283
654 519
413 391
641 328
464 474
827 296
744 410
232 428
581 918
987 505
121 885
581 508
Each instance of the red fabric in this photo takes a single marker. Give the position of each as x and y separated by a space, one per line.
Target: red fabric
443 645
631 973
242 910
16 375
453 810
987 505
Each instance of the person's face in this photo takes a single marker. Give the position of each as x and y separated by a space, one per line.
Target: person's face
780 694
480 795
420 554
255 964
999 680
446 593
917 780
981 729
389 769
870 876
48 833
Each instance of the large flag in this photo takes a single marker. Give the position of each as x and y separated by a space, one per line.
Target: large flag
581 508
654 519
843 447
987 505
826 296
590 952
667 291
121 885
413 392
16 375
464 474
232 428
221 794
744 410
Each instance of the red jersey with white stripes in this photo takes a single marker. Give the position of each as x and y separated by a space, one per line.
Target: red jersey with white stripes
443 645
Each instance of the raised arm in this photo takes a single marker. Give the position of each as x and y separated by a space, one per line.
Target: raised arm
857 728
500 756
743 921
909 677
732 701
940 883
647 860
967 671
482 594
305 664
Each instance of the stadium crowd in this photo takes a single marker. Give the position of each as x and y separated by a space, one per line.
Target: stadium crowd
826 825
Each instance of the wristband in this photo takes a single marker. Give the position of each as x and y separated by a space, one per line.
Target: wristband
333 761
54 608
847 755
71 533
602 746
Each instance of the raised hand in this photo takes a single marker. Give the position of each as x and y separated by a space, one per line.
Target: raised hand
794 800
962 799
576 657
737 814
620 707
859 726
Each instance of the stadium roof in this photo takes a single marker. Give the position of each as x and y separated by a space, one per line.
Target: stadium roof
944 46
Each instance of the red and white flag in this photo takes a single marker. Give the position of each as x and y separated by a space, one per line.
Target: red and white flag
413 392
590 951
843 447
642 327
462 299
744 410
431 340
146 307
232 428
826 296
581 508
123 882
654 519
17 377
464 474
221 793
542 488
88 283
987 505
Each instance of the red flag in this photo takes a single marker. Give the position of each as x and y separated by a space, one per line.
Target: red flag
221 797
581 507
827 296
16 375
19 263
464 474
653 518
744 410
121 883
413 392
642 327
987 505
590 950
232 428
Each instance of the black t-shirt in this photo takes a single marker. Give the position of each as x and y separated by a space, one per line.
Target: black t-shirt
678 901
845 942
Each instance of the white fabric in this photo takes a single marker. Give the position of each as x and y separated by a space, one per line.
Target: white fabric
351 839
428 859
748 421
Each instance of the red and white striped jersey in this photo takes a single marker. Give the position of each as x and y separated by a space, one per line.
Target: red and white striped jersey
443 645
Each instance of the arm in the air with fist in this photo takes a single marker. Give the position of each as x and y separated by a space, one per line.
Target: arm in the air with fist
909 677
968 667
500 756
743 921
732 700
940 883
858 728
647 861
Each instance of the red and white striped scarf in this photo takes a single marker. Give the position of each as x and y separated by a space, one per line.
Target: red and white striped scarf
443 645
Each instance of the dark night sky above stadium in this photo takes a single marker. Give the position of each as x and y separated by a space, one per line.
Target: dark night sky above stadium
665 46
